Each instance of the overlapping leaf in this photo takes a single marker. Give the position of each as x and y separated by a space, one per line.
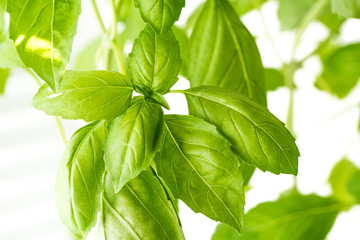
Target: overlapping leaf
223 53
198 166
43 31
155 60
130 143
139 211
160 14
346 8
90 96
79 183
258 137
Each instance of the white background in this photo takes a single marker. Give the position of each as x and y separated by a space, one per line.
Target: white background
31 148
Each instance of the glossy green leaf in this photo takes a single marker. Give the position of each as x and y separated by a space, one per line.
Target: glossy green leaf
294 217
198 166
341 70
130 143
79 183
244 6
155 60
223 53
258 137
4 74
90 96
43 31
346 8
141 210
339 178
274 79
160 14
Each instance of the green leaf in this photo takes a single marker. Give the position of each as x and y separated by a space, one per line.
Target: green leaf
274 79
339 178
346 8
258 137
244 6
291 13
198 166
353 186
85 60
181 36
160 14
2 19
4 74
225 232
223 53
341 70
294 217
42 31
78 183
141 210
93 95
155 60
130 143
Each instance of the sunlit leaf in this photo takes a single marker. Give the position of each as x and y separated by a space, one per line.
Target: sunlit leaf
4 74
346 8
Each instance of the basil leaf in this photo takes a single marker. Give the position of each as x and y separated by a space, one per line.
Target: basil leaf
346 8
181 36
43 31
224 231
155 60
130 143
90 96
230 59
295 217
198 166
78 183
160 14
274 79
2 19
4 74
258 137
244 6
339 178
353 186
341 70
140 210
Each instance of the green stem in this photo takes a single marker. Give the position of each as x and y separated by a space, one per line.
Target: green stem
98 16
57 119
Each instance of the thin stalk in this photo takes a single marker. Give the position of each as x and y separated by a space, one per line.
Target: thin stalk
98 16
57 119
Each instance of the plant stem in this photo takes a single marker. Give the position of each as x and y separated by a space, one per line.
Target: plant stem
57 119
98 16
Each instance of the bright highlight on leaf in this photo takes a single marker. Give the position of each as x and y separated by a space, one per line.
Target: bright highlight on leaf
43 32
258 137
93 95
198 166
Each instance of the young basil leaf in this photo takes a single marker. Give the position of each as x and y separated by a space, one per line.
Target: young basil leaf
4 74
90 96
274 79
258 137
79 183
155 60
243 6
223 53
346 8
130 143
140 210
341 70
294 217
43 32
160 14
339 178
198 166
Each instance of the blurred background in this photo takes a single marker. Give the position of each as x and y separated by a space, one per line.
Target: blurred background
326 127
